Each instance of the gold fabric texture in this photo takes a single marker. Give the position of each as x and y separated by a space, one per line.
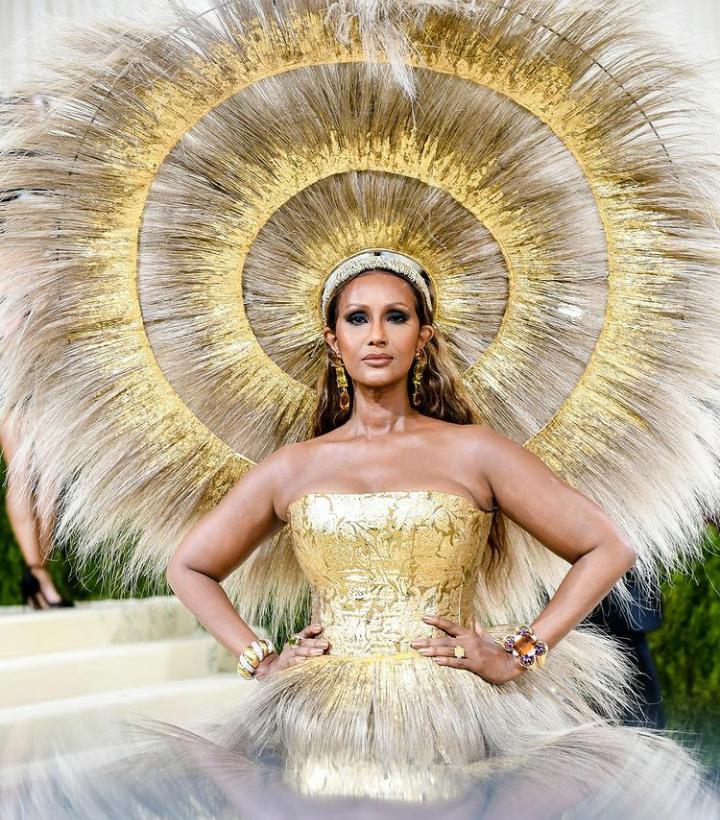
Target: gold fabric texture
377 562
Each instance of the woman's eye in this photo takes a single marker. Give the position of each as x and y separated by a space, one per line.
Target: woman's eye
393 315
351 318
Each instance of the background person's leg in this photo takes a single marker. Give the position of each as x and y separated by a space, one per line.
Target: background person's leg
34 537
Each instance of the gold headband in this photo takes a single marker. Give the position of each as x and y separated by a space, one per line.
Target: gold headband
369 259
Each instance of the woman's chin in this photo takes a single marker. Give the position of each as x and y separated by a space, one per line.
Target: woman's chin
377 377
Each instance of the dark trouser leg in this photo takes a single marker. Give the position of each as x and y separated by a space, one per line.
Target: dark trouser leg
649 711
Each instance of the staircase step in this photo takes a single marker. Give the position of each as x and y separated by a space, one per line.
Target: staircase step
93 624
51 676
76 725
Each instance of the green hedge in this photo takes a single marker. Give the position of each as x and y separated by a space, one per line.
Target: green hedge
684 647
685 650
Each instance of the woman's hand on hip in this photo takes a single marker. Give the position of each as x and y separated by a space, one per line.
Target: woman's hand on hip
483 655
310 645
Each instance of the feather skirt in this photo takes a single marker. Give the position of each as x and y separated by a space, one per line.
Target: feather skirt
394 736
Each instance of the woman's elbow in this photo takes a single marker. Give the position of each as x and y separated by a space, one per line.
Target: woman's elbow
619 548
627 556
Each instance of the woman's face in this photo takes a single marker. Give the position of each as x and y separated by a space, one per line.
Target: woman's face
376 317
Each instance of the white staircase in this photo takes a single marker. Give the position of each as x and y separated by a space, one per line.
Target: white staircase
64 669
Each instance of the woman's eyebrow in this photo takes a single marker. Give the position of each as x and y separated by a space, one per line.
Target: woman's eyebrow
390 304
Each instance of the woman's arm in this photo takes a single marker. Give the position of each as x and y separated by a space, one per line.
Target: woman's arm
218 543
566 522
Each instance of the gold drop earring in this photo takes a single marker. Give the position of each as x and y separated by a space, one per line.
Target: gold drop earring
342 382
418 370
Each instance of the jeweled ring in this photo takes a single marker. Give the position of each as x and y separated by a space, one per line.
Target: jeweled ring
529 650
459 651
294 640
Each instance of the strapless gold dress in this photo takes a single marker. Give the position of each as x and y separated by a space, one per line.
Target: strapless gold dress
375 729
374 718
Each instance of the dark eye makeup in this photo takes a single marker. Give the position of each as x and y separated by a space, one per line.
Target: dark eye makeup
394 314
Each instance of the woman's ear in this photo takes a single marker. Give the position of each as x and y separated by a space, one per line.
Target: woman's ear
330 338
426 333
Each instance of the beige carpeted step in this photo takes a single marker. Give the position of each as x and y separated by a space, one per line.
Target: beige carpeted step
68 677
98 623
51 676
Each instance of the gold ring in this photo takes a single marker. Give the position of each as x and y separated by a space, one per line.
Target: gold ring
459 651
294 640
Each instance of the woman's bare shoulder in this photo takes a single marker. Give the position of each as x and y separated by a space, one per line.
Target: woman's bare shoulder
482 445
289 458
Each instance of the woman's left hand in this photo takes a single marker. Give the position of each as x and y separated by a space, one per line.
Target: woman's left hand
483 656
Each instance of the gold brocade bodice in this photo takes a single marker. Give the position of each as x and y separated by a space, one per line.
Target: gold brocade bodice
378 561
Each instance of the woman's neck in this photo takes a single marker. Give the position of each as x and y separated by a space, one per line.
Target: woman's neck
380 413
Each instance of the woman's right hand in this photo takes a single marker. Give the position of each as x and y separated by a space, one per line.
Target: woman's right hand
311 645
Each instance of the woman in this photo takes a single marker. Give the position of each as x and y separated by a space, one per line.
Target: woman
391 537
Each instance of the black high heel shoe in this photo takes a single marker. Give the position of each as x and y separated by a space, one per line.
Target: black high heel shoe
32 594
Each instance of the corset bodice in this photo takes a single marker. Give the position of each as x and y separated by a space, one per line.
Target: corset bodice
376 562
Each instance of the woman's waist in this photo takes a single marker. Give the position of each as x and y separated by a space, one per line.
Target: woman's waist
384 625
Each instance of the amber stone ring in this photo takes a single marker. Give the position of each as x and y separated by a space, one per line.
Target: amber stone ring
459 651
526 647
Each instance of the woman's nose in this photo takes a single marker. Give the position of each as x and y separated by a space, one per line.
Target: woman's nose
377 332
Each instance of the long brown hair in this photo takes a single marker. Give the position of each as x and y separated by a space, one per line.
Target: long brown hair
443 396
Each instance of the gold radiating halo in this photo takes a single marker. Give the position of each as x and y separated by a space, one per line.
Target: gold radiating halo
531 245
541 89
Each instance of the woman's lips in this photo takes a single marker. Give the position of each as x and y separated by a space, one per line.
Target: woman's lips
378 360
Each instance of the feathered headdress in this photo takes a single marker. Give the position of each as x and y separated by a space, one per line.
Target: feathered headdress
194 185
